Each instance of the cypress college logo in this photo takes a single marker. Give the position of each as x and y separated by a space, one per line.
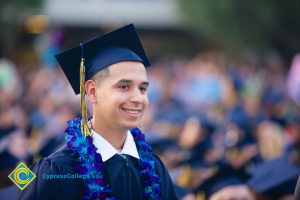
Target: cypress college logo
22 176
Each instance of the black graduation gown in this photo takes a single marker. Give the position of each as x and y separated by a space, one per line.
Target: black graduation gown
120 172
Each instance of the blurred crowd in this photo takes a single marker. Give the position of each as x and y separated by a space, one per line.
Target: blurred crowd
208 115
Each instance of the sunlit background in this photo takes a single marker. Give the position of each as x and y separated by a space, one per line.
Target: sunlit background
224 81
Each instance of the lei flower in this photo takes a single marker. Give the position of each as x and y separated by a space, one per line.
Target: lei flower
90 164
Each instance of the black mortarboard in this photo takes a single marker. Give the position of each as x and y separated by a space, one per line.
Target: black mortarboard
119 45
162 145
275 178
224 177
199 150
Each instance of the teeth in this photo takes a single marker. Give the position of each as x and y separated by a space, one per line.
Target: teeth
132 111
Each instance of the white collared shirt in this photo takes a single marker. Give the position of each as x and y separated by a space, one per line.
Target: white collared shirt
107 150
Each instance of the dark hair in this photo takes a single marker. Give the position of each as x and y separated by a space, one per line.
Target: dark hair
101 75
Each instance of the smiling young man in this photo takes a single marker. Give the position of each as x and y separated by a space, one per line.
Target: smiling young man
106 157
120 96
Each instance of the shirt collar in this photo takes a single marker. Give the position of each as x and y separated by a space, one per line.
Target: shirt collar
107 150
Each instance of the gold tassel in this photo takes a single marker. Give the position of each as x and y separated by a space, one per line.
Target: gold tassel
84 111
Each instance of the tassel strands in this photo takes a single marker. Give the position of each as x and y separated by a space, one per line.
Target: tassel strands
84 111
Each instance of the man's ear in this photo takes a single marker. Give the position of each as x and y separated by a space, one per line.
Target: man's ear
90 88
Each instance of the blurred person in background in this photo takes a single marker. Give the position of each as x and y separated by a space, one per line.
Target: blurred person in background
227 183
10 82
270 140
240 152
169 152
13 122
292 137
193 173
203 82
197 137
16 150
50 135
171 155
293 80
274 179
48 101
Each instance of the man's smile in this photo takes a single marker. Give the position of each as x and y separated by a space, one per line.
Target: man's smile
132 112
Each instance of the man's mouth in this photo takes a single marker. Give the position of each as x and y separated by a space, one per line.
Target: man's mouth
132 112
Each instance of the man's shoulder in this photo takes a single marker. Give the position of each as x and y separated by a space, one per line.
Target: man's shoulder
161 168
62 153
157 160
62 159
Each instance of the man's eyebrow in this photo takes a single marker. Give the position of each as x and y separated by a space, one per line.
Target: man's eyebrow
130 81
124 81
145 83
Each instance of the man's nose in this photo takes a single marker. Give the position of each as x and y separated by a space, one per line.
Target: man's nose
137 96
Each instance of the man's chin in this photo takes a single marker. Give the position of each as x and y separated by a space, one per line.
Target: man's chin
130 125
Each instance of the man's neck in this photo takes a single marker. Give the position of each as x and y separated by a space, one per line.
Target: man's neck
114 136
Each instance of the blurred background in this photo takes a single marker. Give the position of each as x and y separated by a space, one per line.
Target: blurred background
224 84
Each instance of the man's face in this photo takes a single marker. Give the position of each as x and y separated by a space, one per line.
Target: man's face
120 98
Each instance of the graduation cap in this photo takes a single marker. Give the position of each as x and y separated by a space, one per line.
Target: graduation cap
224 177
275 178
199 150
82 62
162 145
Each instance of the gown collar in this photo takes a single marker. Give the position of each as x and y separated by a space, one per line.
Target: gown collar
106 150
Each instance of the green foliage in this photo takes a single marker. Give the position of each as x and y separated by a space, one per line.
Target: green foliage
10 10
235 24
11 13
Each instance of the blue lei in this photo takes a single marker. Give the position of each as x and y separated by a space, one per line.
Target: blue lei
90 164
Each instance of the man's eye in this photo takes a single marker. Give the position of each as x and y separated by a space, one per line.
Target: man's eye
124 87
143 89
